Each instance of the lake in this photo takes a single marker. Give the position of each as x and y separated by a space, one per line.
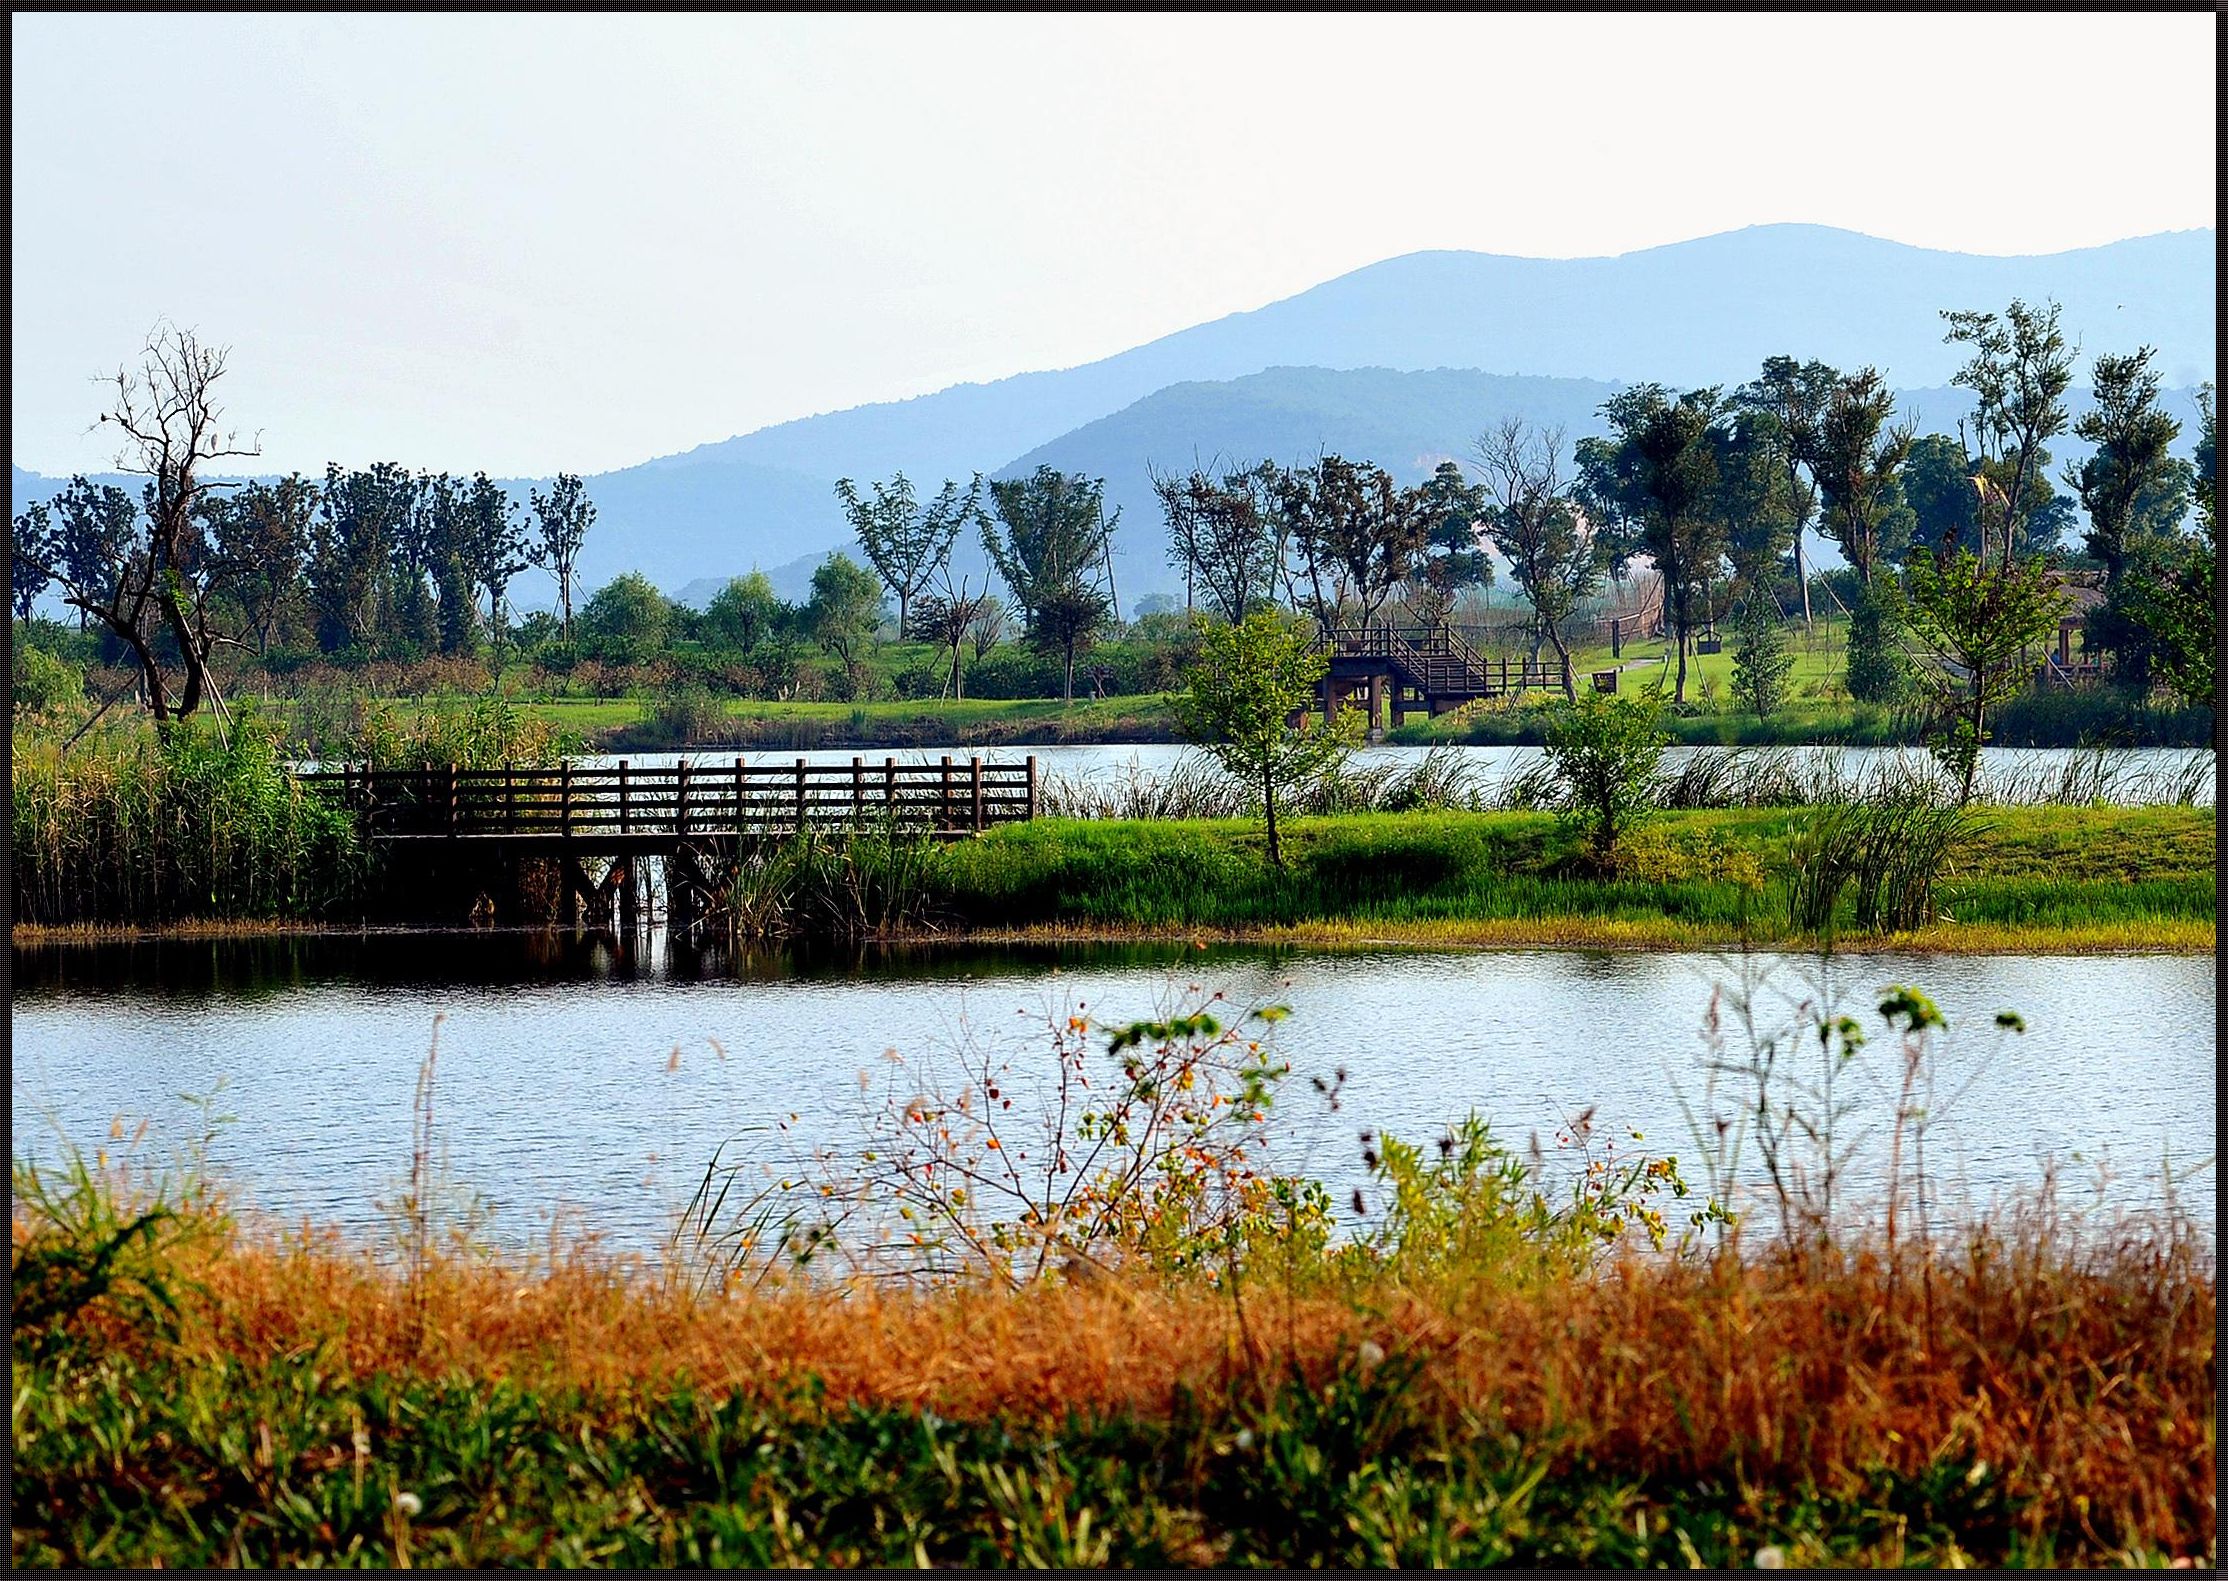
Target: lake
571 1073
2006 773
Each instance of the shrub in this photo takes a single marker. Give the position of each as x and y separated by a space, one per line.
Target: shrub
44 681
1606 751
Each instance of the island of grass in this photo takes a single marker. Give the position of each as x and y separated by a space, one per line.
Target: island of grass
2049 879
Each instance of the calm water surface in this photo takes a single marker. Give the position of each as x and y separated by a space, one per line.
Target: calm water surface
571 1074
2008 773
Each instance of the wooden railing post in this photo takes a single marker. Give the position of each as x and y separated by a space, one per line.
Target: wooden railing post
738 793
622 795
1032 785
800 795
944 797
858 790
889 790
978 794
510 801
452 801
564 800
681 803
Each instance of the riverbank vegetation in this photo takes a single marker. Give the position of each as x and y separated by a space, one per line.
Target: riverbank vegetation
1162 1348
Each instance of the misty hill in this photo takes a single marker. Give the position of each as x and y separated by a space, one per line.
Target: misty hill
1698 312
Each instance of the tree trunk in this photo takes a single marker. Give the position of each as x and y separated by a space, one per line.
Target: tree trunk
1570 681
1067 676
1268 804
1802 577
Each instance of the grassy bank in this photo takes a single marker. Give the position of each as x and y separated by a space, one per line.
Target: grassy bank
626 724
2086 879
1150 1352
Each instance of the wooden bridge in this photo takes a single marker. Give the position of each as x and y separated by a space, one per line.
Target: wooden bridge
700 817
1429 668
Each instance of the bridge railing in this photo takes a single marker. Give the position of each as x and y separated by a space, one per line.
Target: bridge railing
437 800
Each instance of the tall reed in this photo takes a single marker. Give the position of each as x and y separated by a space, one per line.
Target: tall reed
133 829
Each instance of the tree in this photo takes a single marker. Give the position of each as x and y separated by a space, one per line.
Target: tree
988 626
1247 684
1979 623
1859 454
1753 496
627 618
152 584
1658 473
1224 536
2019 373
1794 394
27 577
1049 540
361 516
744 613
2134 438
491 545
85 540
1357 535
1939 491
905 544
1761 661
260 538
562 518
1606 751
845 608
1454 557
946 617
1551 554
2177 611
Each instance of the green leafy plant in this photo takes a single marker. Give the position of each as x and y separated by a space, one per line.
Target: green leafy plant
1606 751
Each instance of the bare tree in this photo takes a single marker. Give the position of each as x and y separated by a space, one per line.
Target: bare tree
1551 552
947 617
154 574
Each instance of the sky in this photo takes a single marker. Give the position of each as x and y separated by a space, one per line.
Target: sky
525 244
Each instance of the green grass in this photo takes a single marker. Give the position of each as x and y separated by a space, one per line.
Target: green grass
1704 877
286 1460
618 723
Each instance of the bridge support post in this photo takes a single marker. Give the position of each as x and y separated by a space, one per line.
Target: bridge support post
630 917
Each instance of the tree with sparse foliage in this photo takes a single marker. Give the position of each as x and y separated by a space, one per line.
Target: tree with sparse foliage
1529 517
152 583
2019 372
1050 538
945 617
1980 625
1245 688
906 544
562 518
1224 535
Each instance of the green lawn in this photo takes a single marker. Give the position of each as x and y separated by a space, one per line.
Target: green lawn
2043 878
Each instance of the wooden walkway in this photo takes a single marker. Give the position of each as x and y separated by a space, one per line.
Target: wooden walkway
631 811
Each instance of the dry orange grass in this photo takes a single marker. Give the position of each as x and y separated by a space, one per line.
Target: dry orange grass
2083 1379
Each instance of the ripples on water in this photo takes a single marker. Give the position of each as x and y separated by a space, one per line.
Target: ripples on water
559 1081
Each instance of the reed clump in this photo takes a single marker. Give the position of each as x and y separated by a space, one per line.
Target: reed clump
131 827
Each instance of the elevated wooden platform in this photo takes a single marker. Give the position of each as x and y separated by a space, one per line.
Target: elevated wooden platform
1428 669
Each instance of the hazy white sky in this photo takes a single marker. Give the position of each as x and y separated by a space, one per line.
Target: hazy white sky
526 243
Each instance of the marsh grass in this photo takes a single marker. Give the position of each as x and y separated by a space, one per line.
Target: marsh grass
131 828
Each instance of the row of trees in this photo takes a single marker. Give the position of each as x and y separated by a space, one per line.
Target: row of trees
372 559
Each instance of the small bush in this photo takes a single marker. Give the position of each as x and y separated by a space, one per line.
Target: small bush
44 681
1606 751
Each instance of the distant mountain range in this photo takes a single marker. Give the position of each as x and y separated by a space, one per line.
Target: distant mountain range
1402 362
